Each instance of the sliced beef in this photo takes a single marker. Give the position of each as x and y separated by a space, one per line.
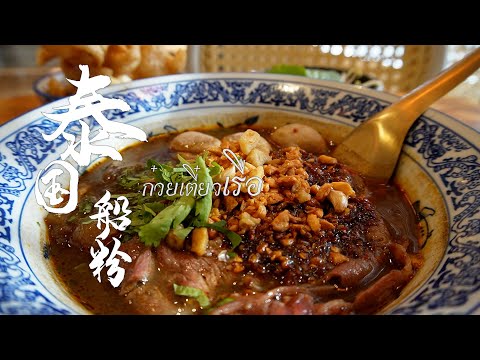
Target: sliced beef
333 307
151 299
279 301
378 234
359 271
387 287
133 248
142 271
149 278
286 300
84 236
352 272
185 268
76 233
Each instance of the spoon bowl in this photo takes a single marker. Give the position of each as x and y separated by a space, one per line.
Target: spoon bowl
374 147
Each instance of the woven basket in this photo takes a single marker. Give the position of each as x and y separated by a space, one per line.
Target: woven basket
470 88
399 67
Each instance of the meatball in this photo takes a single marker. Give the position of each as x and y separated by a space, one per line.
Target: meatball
193 142
303 136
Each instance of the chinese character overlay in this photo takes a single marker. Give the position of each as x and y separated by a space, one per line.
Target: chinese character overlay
120 222
112 263
84 104
50 175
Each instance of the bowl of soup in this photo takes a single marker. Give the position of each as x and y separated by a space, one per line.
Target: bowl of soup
233 204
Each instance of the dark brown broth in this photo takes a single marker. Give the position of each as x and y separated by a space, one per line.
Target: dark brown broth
71 264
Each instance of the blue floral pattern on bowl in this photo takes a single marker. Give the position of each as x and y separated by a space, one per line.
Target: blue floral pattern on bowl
450 153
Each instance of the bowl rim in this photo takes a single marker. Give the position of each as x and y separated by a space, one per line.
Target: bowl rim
381 95
131 85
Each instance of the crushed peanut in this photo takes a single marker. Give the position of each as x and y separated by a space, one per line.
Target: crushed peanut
303 202
339 200
324 159
199 241
281 221
313 222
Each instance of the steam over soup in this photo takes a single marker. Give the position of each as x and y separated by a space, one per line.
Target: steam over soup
244 220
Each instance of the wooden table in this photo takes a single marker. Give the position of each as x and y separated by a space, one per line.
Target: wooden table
17 105
16 94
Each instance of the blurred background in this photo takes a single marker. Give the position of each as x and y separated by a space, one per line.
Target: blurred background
392 68
17 55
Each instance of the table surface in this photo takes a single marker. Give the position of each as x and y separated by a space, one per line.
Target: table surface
17 97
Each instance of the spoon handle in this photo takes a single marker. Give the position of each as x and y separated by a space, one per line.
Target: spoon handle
419 99
373 148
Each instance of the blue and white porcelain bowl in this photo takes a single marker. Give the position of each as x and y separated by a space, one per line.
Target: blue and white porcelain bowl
41 86
439 169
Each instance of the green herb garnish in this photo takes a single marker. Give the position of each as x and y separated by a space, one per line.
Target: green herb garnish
203 206
153 217
86 206
157 229
194 293
184 210
224 301
220 226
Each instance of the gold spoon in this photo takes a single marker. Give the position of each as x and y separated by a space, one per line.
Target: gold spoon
373 148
